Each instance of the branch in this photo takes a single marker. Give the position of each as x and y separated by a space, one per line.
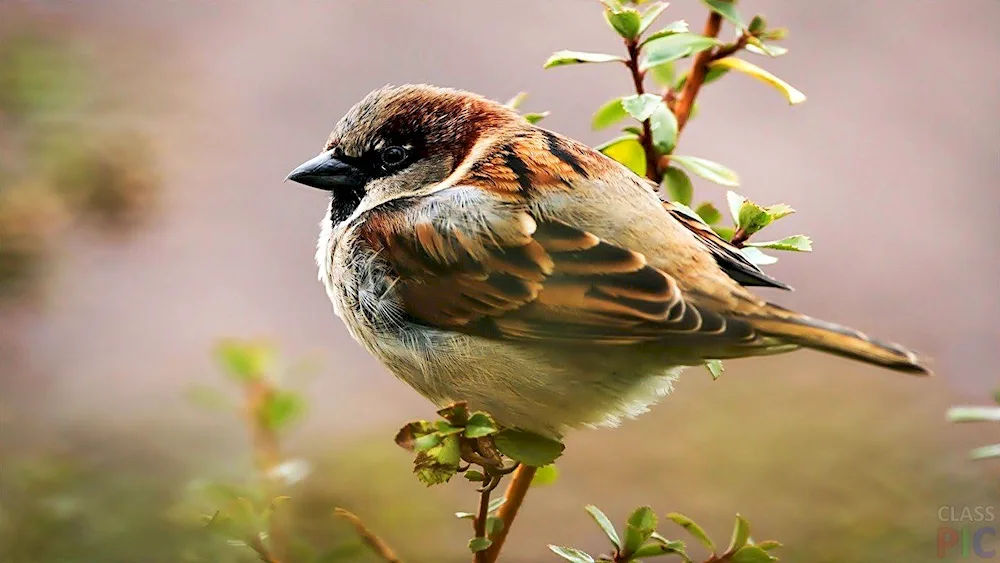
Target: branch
374 542
267 456
516 491
479 524
697 74
652 170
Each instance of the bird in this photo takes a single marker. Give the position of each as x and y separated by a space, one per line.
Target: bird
482 258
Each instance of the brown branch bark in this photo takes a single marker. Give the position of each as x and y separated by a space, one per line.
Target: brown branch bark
696 77
516 491
652 170
267 456
479 524
381 548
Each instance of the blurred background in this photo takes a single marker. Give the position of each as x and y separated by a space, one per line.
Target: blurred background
143 217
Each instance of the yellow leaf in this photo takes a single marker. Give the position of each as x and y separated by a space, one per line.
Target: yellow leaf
732 63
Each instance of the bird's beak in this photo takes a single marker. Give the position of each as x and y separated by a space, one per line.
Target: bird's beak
327 173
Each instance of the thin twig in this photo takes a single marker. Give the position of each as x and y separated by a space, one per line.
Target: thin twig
652 172
267 456
479 524
516 491
380 548
697 74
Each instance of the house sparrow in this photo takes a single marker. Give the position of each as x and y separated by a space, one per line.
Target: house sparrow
485 259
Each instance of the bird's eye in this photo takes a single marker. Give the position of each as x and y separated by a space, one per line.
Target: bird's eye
393 156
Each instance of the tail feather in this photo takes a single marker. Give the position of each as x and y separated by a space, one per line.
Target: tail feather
836 339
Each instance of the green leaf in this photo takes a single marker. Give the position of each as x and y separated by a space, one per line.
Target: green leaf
661 548
776 34
427 441
707 169
715 368
985 452
798 243
650 15
282 408
708 213
690 213
457 413
974 414
546 475
641 106
752 217
675 46
711 75
407 436
438 464
664 128
479 544
793 95
570 554
663 74
694 529
517 100
495 505
628 151
768 545
751 554
726 9
605 523
741 534
465 516
724 232
626 21
758 47
474 476
246 362
535 117
757 25
779 210
493 525
735 202
529 449
608 114
678 185
640 526
635 130
480 424
673 28
562 58
757 257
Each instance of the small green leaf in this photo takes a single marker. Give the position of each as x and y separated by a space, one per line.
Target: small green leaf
517 100
692 528
528 448
798 243
634 130
675 46
474 476
608 114
741 534
757 25
690 213
605 523
650 15
493 525
641 106
664 128
673 28
755 256
535 117
465 516
626 21
776 34
779 210
571 554
726 9
707 169
678 185
457 413
758 47
626 150
545 475
663 74
438 464
985 452
793 95
480 424
751 554
752 217
715 368
246 362
562 58
711 76
661 548
708 213
640 526
974 414
724 232
407 436
282 408
768 545
735 202
495 505
479 544
427 441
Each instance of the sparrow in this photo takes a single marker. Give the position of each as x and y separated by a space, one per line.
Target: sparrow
485 259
